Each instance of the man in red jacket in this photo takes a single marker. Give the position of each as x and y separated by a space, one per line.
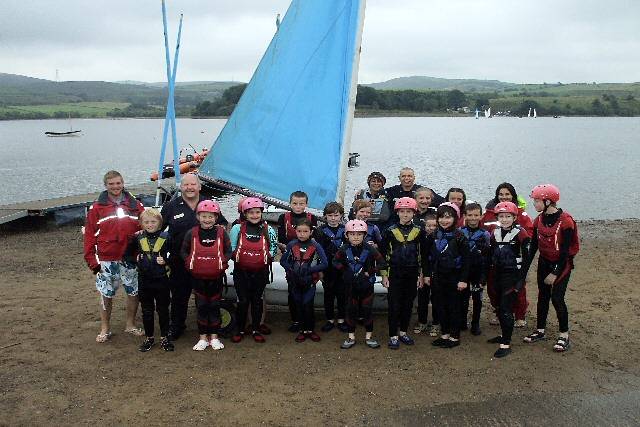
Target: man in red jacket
111 221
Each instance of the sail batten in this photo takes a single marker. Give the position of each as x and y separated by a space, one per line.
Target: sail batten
291 128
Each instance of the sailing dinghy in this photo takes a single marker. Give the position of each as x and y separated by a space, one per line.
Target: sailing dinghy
291 129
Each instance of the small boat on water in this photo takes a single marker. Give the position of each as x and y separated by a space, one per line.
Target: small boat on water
188 163
63 134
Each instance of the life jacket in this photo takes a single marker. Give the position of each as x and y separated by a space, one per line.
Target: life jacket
407 252
251 254
290 227
147 263
446 255
336 239
507 254
479 241
550 238
370 233
356 267
304 258
380 211
206 262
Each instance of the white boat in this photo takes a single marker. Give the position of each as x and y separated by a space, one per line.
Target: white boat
487 113
535 113
477 113
529 113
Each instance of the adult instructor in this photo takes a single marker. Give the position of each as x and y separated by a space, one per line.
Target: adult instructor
407 188
179 216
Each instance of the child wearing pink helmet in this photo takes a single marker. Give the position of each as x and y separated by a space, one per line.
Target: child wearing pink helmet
206 249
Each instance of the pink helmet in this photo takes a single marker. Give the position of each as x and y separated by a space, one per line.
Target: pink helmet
208 206
356 225
406 203
251 202
453 206
508 207
242 199
546 192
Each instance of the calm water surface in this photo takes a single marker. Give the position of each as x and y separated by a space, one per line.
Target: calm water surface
594 161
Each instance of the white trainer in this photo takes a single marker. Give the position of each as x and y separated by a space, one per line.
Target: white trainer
216 344
201 345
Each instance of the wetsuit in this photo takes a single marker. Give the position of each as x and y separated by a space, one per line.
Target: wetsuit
448 256
510 259
555 236
381 211
403 248
358 265
303 261
205 253
331 239
479 245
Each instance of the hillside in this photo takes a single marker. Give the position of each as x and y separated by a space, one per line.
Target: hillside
436 83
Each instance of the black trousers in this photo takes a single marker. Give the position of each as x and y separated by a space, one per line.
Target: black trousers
249 287
504 283
154 296
180 287
208 293
473 291
554 293
426 295
334 290
449 302
403 287
303 298
359 304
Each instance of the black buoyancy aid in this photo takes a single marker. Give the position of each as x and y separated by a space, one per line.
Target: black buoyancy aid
507 255
446 254
150 250
550 236
337 238
406 251
289 225
380 211
356 266
479 240
206 262
370 233
252 253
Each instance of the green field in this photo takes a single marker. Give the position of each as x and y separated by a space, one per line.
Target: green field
76 109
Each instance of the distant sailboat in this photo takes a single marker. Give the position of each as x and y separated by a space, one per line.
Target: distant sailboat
477 113
529 113
535 114
71 132
487 113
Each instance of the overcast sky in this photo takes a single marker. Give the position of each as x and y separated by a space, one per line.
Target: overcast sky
522 42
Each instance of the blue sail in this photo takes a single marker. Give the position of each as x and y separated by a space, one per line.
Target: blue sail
291 129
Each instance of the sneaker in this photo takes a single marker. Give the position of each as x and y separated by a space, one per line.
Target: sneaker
327 326
343 327
347 344
313 336
393 343
433 331
475 330
495 340
294 327
420 328
300 337
264 329
146 344
452 343
502 352
371 343
216 344
494 321
237 337
520 323
407 340
257 337
201 345
440 342
167 345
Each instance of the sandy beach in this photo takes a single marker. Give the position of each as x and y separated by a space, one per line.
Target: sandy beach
53 371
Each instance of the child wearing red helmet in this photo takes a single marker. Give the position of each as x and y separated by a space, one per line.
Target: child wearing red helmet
555 235
206 249
358 262
403 247
254 244
510 261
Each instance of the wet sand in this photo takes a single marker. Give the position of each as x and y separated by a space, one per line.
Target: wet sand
53 372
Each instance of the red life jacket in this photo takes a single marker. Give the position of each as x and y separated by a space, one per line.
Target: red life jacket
289 226
206 262
252 255
550 238
306 257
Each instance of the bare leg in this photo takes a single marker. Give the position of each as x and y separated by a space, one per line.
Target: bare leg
132 309
105 314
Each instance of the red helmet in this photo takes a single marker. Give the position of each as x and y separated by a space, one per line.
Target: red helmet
546 192
406 203
508 207
356 225
251 202
208 206
242 199
453 206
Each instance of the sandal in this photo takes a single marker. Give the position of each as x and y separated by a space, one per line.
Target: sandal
137 332
101 338
561 345
534 337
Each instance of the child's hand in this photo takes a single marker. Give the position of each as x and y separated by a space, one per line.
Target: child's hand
420 282
282 247
462 286
426 280
160 260
385 281
550 279
139 257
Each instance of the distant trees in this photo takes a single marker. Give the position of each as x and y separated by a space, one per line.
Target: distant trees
221 107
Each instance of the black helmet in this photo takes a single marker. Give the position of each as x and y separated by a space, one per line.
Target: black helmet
376 175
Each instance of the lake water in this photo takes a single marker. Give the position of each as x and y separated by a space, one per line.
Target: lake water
594 161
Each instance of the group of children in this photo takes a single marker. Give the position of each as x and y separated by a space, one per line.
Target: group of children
445 255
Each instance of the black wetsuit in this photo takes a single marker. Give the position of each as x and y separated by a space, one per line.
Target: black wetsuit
332 283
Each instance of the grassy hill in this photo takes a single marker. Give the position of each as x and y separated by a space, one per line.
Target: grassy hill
436 83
